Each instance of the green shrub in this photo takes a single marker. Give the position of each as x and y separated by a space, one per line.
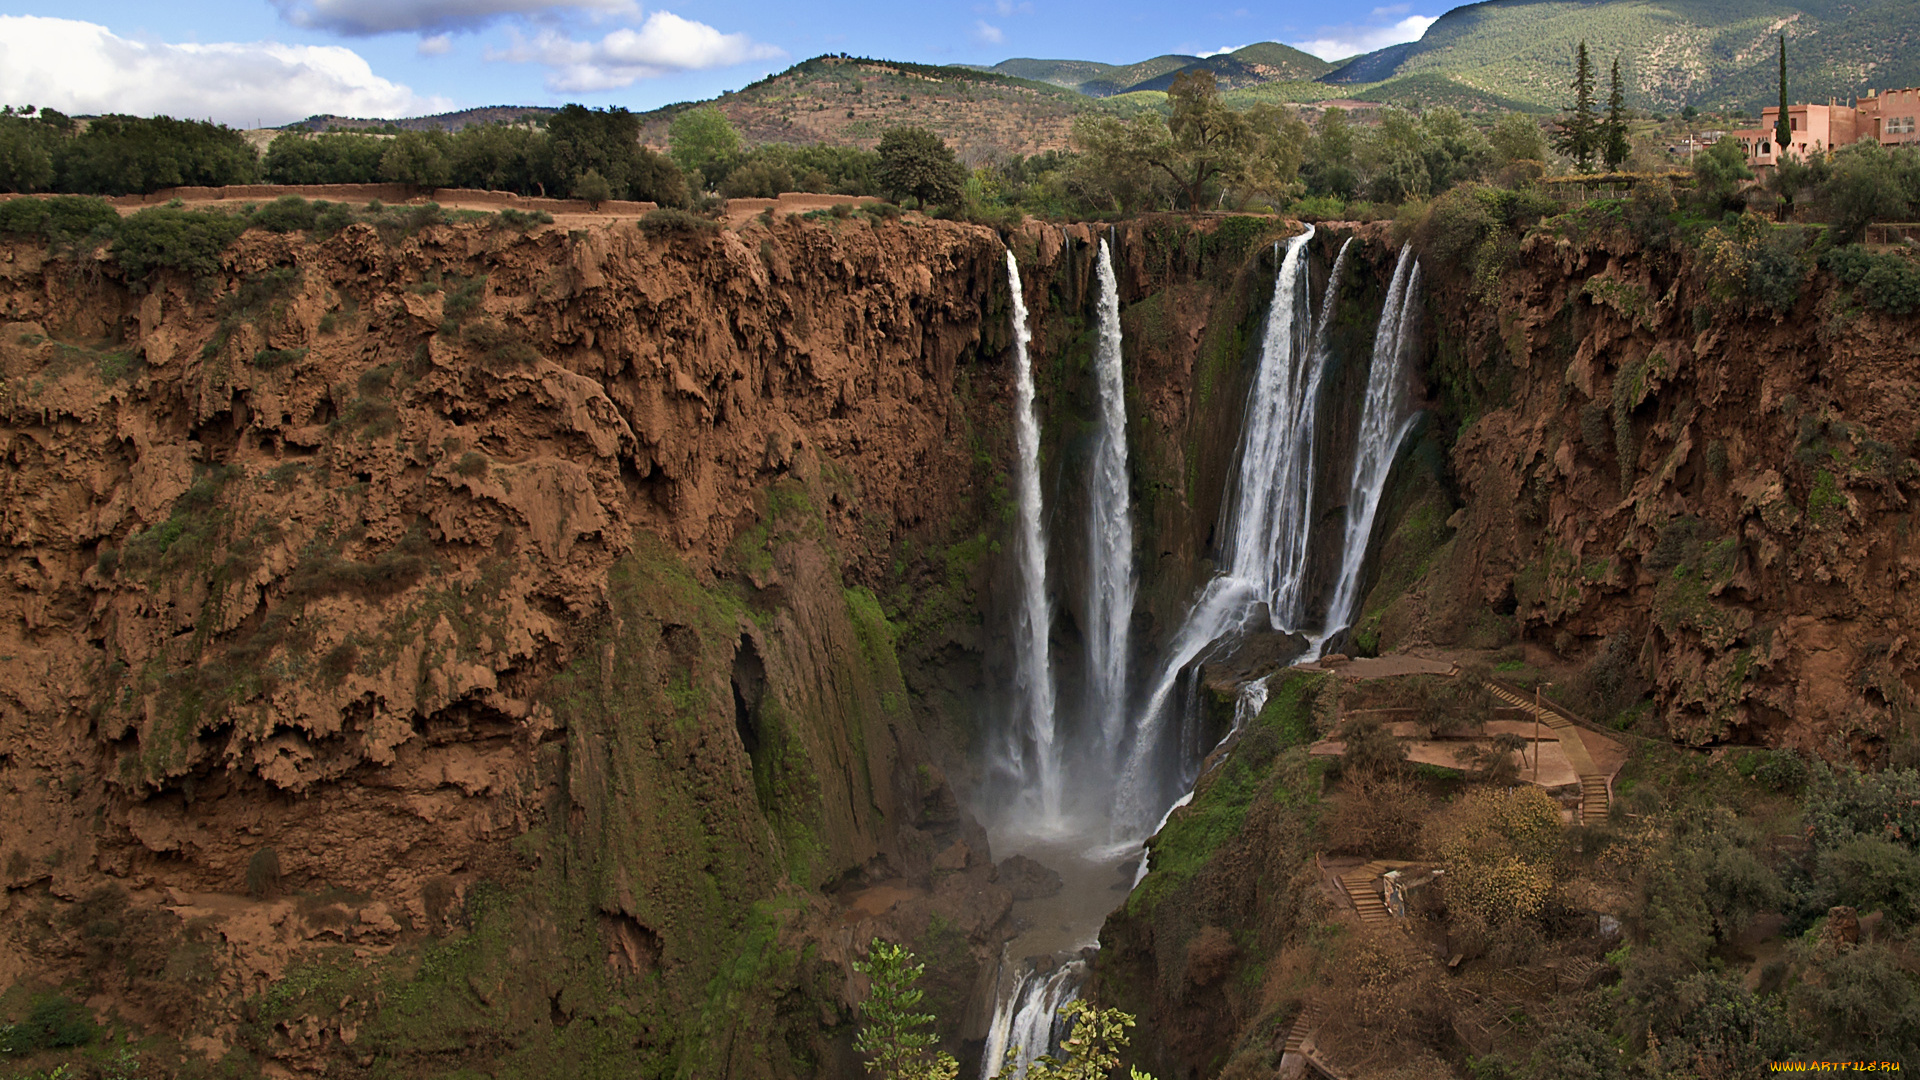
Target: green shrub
1776 271
1887 281
60 217
53 1022
1892 285
1848 262
521 219
332 217
271 359
166 237
288 213
668 221
498 346
1781 770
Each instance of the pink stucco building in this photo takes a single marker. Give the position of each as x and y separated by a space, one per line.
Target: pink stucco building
1886 117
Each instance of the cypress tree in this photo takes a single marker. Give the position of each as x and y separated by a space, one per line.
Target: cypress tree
1615 146
1782 128
1579 133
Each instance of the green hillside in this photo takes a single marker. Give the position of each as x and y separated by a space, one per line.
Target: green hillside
1266 61
1714 53
1090 77
1286 61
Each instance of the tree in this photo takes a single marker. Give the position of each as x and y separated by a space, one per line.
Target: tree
1328 166
1869 183
1614 144
418 158
26 160
704 144
1393 159
1516 137
889 1028
1579 135
1498 846
1789 176
1454 150
1718 173
592 187
1114 167
916 162
1782 127
120 155
1093 1044
605 140
1207 139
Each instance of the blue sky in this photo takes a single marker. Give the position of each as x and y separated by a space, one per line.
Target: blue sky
248 62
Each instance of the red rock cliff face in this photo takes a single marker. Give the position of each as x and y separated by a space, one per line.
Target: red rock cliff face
1699 497
368 571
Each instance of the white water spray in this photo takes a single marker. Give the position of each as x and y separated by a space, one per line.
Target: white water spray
1384 423
1032 751
1109 528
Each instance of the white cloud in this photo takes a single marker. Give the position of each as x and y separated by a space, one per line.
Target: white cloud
437 45
363 17
986 33
663 45
1341 42
1221 51
82 67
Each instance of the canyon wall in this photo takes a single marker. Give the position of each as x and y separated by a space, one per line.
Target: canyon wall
1687 511
538 651
468 647
531 650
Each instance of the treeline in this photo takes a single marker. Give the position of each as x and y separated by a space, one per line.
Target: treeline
43 150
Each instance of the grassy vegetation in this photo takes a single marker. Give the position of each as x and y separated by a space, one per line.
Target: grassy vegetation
1268 763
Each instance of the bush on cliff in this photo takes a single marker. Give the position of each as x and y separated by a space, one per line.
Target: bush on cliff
61 217
1886 281
168 237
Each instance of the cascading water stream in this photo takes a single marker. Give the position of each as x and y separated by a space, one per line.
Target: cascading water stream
1028 1018
1384 423
1266 529
1109 528
1032 751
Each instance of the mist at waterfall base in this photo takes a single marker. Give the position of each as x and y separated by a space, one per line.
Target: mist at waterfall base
1084 781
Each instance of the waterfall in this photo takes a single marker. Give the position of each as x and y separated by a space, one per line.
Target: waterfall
1032 753
1109 528
1027 1017
1266 520
1382 428
1274 486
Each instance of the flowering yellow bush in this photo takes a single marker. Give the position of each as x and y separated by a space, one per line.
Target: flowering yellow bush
1498 846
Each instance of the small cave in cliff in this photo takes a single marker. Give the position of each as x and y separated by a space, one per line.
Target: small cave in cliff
633 948
749 686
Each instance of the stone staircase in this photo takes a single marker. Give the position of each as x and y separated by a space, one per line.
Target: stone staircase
1358 885
1303 1026
1596 793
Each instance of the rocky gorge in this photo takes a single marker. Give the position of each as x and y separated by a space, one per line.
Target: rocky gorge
559 653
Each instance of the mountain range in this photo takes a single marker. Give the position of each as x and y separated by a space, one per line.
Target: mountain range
1714 54
1518 55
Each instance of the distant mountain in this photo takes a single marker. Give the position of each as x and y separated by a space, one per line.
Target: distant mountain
852 101
1709 53
1497 55
448 121
1268 61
